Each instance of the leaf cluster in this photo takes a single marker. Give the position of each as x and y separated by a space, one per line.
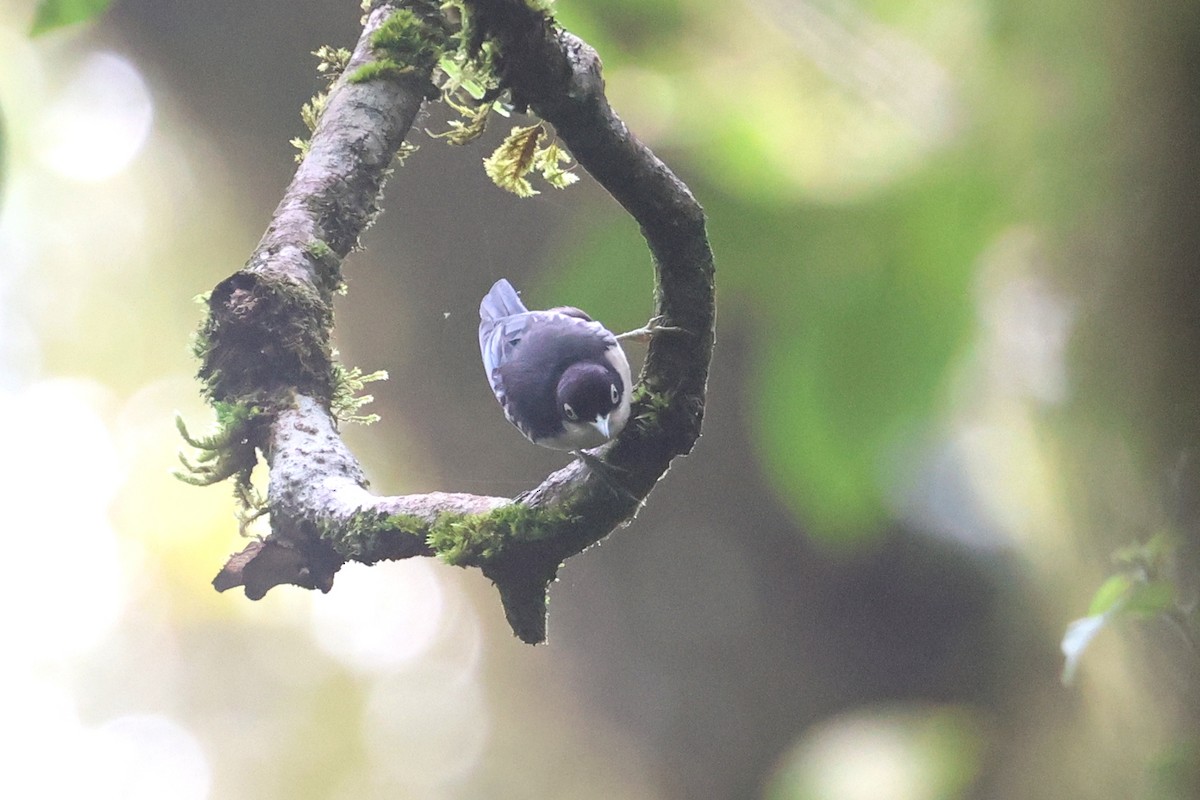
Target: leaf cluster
471 86
1141 589
346 401
526 150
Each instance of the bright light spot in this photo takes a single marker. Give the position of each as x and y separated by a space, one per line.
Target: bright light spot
60 474
874 61
422 732
145 757
1015 475
1025 324
991 481
50 735
377 619
97 124
821 100
908 754
994 475
130 758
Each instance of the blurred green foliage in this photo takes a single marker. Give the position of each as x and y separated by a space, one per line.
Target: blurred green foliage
1144 588
861 320
53 14
847 240
859 162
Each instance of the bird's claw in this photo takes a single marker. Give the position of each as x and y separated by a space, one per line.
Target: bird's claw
652 327
608 474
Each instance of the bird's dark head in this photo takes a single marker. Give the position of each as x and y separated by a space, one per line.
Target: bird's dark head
588 393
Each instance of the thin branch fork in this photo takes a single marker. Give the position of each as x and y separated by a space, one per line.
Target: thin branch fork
269 326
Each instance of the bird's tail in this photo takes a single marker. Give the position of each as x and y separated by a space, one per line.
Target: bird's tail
501 301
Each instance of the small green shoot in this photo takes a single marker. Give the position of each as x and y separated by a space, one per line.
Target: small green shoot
53 14
1139 590
346 401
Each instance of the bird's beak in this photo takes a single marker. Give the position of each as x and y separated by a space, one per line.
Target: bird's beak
601 424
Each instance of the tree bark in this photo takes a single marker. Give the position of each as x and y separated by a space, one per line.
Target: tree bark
266 343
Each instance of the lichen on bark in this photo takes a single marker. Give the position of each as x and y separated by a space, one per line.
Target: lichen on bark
266 341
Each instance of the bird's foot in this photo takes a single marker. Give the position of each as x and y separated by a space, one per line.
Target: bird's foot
652 327
608 473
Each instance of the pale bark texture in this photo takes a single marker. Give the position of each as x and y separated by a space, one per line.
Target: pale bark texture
267 340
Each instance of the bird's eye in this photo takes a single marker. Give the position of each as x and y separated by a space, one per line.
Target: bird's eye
569 412
616 397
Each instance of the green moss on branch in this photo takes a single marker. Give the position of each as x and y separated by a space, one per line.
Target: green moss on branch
459 539
410 41
477 539
265 336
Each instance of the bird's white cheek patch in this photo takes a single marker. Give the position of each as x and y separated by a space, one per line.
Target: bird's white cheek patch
616 357
620 415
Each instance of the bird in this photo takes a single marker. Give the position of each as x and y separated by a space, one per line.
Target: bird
560 376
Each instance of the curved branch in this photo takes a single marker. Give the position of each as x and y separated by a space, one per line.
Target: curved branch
267 338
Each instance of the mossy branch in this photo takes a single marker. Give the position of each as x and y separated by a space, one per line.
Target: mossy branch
265 345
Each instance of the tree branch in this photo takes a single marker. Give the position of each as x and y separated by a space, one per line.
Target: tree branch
266 344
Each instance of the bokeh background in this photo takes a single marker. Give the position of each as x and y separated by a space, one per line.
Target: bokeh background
957 366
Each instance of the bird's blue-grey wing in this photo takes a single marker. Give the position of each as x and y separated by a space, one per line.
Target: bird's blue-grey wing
503 321
501 301
498 343
500 338
501 317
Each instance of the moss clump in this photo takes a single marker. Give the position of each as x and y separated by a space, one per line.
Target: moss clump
415 37
265 335
227 451
475 539
409 41
649 407
331 61
360 534
522 152
463 540
329 266
383 68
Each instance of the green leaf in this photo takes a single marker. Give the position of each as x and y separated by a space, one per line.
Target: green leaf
513 159
1126 594
1112 595
1150 597
1121 596
550 160
52 14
